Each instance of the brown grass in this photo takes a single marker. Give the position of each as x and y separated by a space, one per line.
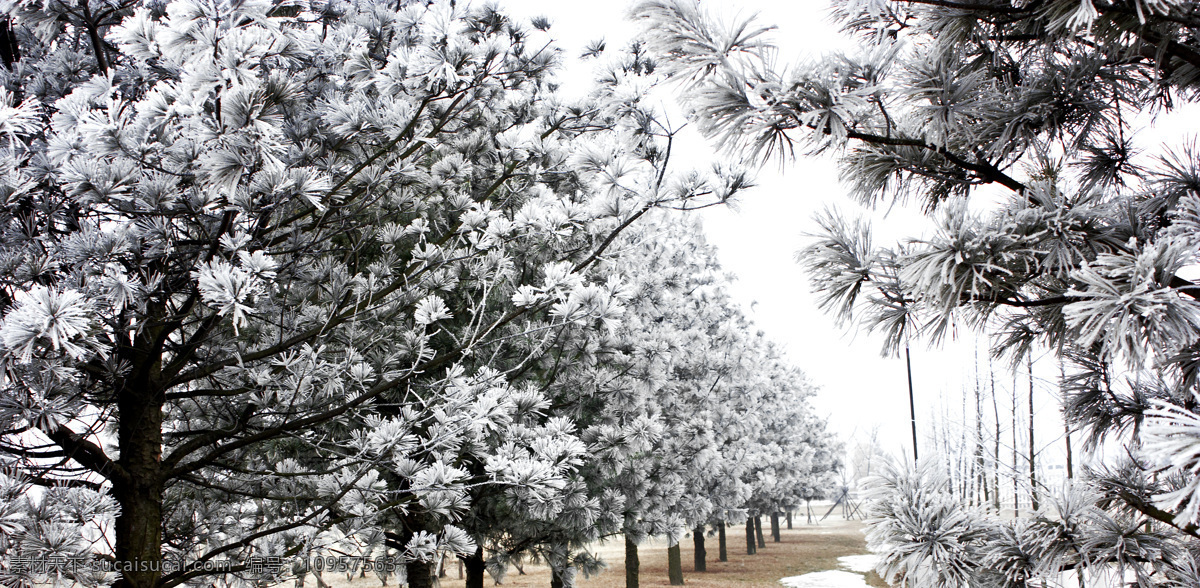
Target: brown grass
801 550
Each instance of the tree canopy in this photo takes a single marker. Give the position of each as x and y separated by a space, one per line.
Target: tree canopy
282 279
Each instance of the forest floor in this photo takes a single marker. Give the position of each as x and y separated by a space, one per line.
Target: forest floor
805 549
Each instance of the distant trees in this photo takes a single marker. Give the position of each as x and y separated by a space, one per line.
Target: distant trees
1086 253
283 279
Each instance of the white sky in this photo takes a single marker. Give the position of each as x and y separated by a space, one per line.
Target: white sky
758 240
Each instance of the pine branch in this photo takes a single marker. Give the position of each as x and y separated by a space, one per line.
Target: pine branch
1141 505
88 454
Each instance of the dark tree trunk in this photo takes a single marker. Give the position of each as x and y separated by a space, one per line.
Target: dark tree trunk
556 577
750 547
758 531
1033 482
996 438
912 403
631 563
699 552
475 566
1066 427
420 574
10 51
138 488
722 551
775 527
1016 467
789 520
675 565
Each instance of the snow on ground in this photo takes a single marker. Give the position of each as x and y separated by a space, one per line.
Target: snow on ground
859 563
836 578
826 579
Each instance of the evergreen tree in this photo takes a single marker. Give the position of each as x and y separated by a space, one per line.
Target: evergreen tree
251 252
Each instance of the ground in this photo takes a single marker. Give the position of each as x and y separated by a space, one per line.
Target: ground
802 550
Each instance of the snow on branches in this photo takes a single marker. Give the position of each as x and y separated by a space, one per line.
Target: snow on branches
287 278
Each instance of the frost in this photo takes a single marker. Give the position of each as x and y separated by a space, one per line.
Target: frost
61 317
231 290
430 310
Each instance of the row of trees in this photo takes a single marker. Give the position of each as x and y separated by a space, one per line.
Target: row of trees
282 280
1013 124
1011 444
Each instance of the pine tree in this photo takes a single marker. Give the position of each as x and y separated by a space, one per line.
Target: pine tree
252 254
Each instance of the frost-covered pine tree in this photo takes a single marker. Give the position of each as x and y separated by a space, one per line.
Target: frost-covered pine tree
253 255
1088 252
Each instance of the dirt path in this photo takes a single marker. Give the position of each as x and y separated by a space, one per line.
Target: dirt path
802 550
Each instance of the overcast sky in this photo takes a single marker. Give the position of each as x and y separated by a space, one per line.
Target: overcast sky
758 240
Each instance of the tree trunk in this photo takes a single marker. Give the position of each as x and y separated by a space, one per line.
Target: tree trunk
675 565
912 403
10 51
996 446
981 496
699 552
722 552
1016 467
1033 483
420 574
556 577
139 492
475 565
750 547
789 520
631 563
758 531
775 527
1066 430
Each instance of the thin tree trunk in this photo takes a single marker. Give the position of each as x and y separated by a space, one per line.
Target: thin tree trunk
675 565
556 577
775 527
996 448
1070 464
1062 372
1033 483
698 549
758 534
966 476
980 476
1016 468
789 520
751 548
722 551
631 563
475 567
912 403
